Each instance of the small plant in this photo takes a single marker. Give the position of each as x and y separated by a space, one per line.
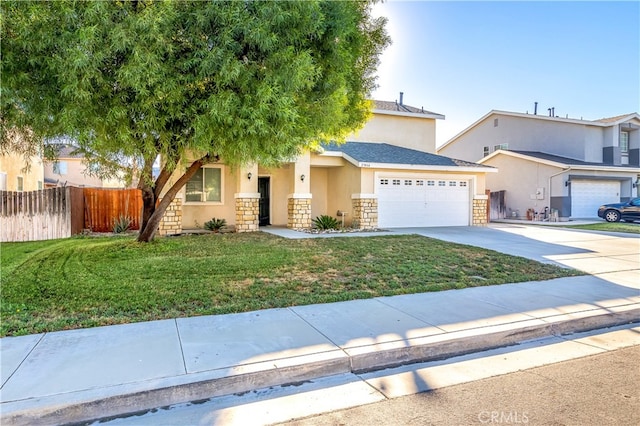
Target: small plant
215 224
326 222
121 224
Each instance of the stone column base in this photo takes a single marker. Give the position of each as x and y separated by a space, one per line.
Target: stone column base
479 212
247 212
299 213
171 222
365 212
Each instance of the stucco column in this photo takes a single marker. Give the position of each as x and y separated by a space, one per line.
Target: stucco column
247 199
299 201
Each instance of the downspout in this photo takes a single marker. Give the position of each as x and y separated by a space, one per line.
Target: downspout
551 177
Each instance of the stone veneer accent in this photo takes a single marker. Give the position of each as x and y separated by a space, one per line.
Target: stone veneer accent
171 222
365 213
299 213
479 212
247 212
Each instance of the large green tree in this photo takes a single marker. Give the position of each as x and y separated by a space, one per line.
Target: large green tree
243 81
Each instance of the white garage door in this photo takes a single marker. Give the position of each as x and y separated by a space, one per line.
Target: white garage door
588 195
406 202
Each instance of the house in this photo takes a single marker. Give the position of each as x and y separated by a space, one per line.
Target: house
385 175
18 173
549 163
71 169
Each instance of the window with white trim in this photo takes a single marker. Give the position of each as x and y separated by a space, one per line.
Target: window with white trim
419 182
408 182
442 183
431 183
395 182
384 181
452 183
624 142
205 186
463 183
485 151
20 186
503 146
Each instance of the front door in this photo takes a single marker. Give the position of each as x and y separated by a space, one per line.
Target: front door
264 188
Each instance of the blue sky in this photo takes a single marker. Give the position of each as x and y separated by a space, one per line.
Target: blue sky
463 59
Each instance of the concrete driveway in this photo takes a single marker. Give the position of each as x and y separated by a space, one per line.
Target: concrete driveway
614 257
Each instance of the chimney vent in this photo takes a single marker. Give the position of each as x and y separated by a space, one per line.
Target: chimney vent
535 108
401 96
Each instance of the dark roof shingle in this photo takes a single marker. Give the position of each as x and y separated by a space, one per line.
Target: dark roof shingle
369 152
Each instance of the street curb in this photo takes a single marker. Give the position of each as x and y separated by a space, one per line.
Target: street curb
121 401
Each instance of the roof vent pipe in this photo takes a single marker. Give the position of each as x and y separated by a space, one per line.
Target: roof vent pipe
535 108
401 96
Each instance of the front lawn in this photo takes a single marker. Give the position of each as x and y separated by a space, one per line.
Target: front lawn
631 228
88 281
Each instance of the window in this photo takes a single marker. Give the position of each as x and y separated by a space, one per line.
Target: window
205 186
463 183
20 184
384 181
503 146
495 122
442 183
485 151
431 183
395 182
60 167
624 142
408 182
39 185
419 183
452 183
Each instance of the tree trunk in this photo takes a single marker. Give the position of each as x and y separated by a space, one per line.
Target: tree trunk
152 214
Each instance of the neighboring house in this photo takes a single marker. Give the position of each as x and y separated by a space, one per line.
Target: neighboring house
566 165
71 169
17 175
386 175
20 174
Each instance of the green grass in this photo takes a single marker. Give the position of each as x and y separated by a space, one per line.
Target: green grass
631 228
86 282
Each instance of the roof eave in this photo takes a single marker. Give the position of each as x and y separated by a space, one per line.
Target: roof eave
432 116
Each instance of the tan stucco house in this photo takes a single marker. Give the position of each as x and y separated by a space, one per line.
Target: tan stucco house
553 164
18 175
386 175
71 169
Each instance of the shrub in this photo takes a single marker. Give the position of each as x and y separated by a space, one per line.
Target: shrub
326 222
121 224
215 224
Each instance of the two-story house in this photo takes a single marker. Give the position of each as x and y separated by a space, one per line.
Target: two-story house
385 175
562 164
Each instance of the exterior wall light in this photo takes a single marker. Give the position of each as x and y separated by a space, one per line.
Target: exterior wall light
302 177
567 183
249 175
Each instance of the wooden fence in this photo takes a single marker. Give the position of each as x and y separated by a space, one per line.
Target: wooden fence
103 206
62 212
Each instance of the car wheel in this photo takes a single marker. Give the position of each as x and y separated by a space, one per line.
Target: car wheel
611 216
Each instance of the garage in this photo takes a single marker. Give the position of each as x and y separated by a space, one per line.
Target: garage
422 202
588 195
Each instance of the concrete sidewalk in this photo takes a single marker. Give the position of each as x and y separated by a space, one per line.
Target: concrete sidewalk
79 375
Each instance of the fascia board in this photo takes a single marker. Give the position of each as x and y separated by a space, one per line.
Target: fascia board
408 114
424 167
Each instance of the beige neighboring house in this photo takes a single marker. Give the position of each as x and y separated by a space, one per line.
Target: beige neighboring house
561 165
15 176
71 169
386 175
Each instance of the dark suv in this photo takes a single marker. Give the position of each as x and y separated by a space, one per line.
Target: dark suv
628 212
